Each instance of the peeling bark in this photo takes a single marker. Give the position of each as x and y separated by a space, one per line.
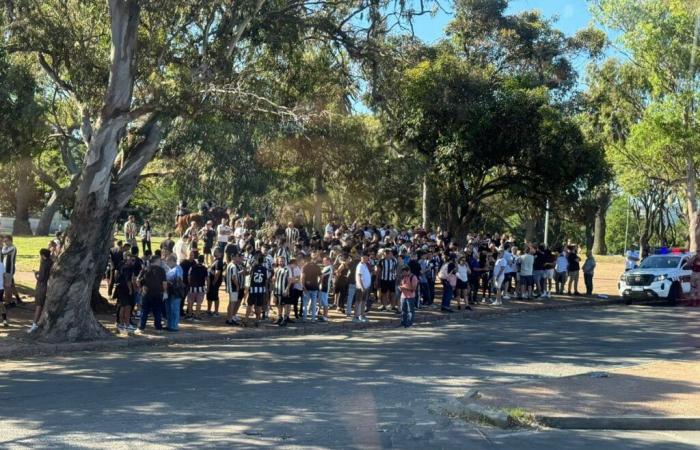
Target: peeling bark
23 197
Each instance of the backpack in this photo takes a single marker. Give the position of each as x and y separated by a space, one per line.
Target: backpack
178 288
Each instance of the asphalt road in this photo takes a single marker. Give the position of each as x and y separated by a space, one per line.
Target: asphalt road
366 389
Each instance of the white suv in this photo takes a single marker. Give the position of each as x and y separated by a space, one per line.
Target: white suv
658 276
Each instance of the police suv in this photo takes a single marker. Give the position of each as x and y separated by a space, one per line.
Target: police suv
658 276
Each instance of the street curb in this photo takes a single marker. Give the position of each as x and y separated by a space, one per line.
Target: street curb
112 344
621 423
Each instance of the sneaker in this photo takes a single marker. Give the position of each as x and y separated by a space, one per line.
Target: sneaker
364 319
279 321
120 328
497 303
283 323
197 319
506 297
323 319
382 308
356 320
33 328
5 323
216 314
130 328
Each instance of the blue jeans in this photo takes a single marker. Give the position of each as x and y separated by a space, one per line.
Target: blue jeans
152 305
324 299
314 297
408 311
351 297
447 294
172 311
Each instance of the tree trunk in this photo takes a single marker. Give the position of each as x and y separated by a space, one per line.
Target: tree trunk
424 202
43 228
599 246
318 202
101 194
692 206
23 196
530 229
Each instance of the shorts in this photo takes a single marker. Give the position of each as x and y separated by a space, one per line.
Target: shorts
461 284
207 250
213 293
233 297
387 285
288 300
527 280
40 294
126 300
257 299
549 274
196 297
498 282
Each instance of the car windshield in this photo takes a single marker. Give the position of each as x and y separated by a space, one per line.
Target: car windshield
660 262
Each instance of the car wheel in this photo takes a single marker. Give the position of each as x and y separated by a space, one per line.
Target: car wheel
673 294
627 299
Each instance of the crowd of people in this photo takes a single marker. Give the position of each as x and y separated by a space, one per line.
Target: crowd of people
284 274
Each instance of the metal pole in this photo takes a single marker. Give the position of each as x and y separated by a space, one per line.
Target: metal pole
546 224
627 227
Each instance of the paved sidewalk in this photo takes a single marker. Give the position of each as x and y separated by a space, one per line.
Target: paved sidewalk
667 389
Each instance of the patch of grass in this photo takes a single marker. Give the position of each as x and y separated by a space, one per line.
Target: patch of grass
520 417
28 250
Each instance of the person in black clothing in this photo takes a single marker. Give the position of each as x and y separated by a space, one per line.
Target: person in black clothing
42 278
116 258
574 269
125 290
214 279
538 270
258 288
197 282
155 289
186 265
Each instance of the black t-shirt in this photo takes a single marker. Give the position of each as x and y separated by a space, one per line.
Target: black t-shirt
217 266
186 266
153 278
209 236
168 244
138 266
573 262
198 275
117 256
123 279
540 259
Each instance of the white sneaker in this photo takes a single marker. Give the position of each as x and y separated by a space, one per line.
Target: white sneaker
364 319
497 303
5 323
506 297
33 328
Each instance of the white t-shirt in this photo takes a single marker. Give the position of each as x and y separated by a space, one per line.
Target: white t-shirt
223 232
562 264
510 262
526 263
462 272
362 274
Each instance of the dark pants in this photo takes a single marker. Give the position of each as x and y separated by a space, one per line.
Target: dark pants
424 293
431 292
588 279
447 293
146 244
152 304
473 288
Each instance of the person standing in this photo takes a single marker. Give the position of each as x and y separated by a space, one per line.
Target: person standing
561 268
146 234
223 234
363 283
197 283
573 270
214 280
499 275
527 263
258 289
3 309
281 287
42 278
125 291
208 235
310 277
234 286
155 291
130 230
291 234
326 286
588 272
176 293
386 271
408 287
9 259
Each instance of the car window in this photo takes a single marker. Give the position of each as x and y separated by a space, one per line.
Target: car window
660 262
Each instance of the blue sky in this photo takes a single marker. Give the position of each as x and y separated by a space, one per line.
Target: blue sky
572 15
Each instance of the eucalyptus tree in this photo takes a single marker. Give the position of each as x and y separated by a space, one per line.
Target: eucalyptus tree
133 66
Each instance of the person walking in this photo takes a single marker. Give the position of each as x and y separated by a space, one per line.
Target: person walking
408 287
588 272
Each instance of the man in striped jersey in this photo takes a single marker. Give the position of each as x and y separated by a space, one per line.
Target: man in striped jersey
281 287
258 289
386 272
234 285
291 233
